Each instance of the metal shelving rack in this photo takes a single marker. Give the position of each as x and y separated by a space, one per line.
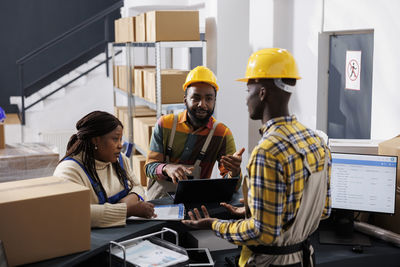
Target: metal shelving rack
158 106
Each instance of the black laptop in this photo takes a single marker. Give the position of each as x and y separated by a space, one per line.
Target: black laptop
205 191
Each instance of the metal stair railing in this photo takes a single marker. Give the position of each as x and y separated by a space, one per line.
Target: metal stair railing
22 61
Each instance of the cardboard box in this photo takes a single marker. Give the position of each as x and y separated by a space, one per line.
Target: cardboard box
115 76
171 86
2 137
139 77
138 111
12 129
169 25
360 146
123 78
138 162
140 28
27 160
117 38
391 147
142 130
124 30
43 218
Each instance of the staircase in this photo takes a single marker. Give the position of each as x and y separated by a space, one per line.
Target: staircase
64 78
52 120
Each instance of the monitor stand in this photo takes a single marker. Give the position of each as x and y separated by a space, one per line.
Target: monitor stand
338 229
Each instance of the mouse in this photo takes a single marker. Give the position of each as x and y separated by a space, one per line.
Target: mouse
357 249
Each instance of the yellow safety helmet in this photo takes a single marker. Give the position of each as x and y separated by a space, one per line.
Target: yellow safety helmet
270 63
201 74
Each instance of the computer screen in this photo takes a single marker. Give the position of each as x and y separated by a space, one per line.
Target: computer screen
363 182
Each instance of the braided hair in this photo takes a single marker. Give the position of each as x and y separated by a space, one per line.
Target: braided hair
96 123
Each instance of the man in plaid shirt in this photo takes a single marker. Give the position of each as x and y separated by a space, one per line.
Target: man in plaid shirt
289 174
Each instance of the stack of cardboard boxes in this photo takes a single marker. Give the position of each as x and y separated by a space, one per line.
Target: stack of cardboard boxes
155 26
161 25
142 134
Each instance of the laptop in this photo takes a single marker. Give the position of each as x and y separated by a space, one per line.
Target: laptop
205 191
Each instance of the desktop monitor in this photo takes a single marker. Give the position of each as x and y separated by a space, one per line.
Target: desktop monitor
359 183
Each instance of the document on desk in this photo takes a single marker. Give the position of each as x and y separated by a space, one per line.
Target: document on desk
174 212
147 254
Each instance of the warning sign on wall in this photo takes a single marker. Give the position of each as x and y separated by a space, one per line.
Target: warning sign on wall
353 70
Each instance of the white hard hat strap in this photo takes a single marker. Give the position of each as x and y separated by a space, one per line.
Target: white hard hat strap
283 86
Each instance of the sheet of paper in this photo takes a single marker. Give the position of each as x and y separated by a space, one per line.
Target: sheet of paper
166 213
147 254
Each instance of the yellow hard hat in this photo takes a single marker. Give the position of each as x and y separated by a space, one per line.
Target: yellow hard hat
270 63
200 74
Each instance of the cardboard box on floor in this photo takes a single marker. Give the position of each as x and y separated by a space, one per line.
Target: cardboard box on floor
171 85
142 130
172 25
390 147
138 162
43 218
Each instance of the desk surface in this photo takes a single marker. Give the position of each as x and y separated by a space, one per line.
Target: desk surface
379 254
101 237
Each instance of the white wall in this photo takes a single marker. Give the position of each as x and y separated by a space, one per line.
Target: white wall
261 36
227 24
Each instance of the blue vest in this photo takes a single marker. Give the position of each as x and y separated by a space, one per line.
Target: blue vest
97 189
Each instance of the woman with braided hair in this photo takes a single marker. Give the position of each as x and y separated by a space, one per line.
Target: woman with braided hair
94 159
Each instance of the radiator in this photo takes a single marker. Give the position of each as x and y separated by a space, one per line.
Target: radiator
57 138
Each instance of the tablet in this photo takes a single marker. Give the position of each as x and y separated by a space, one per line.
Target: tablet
199 257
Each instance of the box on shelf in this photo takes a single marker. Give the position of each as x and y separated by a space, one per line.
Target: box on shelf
140 28
117 37
20 161
142 130
115 76
121 112
43 218
391 147
171 86
124 30
123 78
138 162
172 25
139 84
361 146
